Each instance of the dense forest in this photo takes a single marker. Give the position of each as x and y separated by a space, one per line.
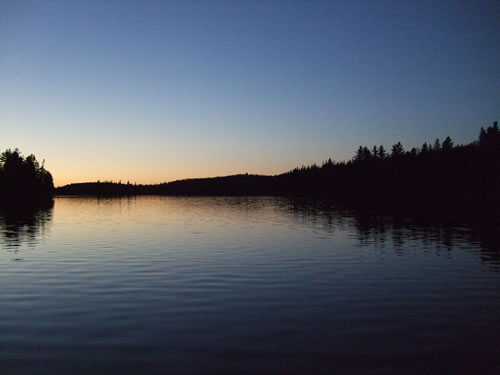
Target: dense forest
438 172
463 176
23 180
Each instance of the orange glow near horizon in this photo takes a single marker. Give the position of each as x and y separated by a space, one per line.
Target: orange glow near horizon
153 174
73 160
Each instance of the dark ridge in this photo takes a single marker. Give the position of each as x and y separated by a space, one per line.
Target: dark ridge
436 178
230 185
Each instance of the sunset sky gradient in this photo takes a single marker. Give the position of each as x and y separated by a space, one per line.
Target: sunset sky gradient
153 91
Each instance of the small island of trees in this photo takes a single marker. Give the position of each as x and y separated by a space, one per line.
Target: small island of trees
23 180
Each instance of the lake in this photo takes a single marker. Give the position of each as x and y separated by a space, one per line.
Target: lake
243 285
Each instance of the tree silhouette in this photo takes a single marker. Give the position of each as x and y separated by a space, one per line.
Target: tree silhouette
447 144
437 145
359 155
397 150
366 153
490 139
23 179
382 154
425 149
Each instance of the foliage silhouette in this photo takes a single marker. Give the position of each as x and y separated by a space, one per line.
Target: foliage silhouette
23 181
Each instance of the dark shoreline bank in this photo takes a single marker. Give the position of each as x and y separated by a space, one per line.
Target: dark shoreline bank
433 178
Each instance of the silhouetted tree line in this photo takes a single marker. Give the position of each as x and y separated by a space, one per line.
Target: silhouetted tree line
442 172
462 176
432 171
23 180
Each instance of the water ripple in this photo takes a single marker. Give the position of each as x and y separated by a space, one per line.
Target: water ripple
242 285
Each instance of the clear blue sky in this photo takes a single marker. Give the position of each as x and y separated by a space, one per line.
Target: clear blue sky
152 91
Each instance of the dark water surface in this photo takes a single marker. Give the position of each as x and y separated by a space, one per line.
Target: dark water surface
243 285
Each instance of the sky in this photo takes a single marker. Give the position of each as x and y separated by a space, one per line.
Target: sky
154 91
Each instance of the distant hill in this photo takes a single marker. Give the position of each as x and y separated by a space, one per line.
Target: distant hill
242 184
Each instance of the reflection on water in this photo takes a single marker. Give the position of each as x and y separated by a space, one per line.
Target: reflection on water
245 285
374 229
26 225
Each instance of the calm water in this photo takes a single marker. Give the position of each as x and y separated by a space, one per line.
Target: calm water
242 285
